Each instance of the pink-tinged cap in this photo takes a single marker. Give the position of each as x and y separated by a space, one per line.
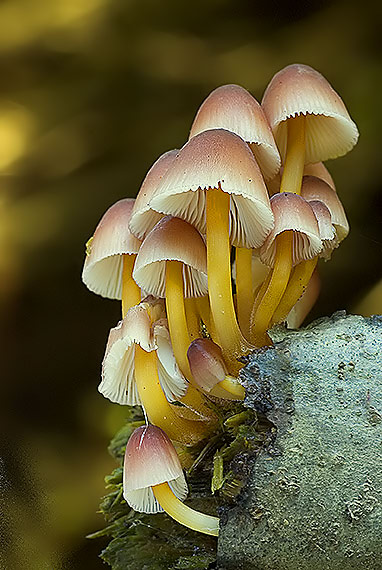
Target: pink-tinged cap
150 459
217 159
233 108
300 90
206 363
172 239
143 218
314 188
174 384
325 226
102 272
292 212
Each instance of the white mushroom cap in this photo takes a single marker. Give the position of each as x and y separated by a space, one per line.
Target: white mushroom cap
294 213
150 459
217 159
314 188
206 363
325 226
102 272
300 90
233 108
319 170
172 239
144 325
143 217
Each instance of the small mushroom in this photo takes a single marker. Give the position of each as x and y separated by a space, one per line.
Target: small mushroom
110 257
153 480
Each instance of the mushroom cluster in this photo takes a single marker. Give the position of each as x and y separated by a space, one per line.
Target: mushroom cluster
221 242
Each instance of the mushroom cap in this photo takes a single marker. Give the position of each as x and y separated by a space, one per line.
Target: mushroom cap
102 272
143 217
150 459
294 213
233 108
172 239
314 188
145 325
300 90
319 170
206 363
325 226
217 159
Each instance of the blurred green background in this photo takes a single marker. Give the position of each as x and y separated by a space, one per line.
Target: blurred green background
92 92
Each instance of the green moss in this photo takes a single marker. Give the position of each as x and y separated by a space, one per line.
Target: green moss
139 541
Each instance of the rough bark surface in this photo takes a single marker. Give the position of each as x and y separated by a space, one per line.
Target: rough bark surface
313 500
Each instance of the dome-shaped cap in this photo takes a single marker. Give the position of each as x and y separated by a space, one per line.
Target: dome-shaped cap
300 90
292 212
217 159
314 188
206 363
319 170
150 459
144 325
102 272
233 108
325 226
172 239
143 218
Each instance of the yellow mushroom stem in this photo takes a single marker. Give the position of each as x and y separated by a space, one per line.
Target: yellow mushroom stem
295 156
204 312
296 287
230 338
192 318
278 282
176 315
244 288
131 293
180 338
184 514
159 411
229 388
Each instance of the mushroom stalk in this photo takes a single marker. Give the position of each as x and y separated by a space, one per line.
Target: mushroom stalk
192 318
131 293
154 402
229 335
229 388
276 288
297 285
244 289
184 514
176 315
295 156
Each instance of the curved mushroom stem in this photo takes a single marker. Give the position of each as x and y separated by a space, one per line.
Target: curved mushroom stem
176 315
229 388
295 156
158 409
184 514
192 318
229 335
244 289
131 293
295 289
277 285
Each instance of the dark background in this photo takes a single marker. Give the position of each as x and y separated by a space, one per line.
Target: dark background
92 92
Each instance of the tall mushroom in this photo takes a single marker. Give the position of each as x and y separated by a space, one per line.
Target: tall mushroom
110 256
216 185
153 480
295 238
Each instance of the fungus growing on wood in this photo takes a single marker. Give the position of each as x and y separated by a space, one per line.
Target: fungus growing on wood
153 480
